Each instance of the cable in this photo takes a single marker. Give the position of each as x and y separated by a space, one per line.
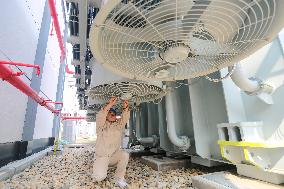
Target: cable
222 78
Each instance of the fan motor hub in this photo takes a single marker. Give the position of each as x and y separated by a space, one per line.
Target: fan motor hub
126 96
176 54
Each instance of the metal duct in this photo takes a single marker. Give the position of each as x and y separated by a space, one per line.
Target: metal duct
153 119
182 142
252 86
138 123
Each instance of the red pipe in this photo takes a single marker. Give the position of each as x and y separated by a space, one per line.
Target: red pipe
22 64
67 70
58 103
56 27
50 101
73 118
58 32
8 75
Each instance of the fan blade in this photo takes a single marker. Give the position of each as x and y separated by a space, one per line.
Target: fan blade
222 19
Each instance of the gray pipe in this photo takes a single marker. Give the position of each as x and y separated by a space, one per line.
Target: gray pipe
143 140
252 86
182 142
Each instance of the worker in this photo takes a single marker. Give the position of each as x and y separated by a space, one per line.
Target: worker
107 148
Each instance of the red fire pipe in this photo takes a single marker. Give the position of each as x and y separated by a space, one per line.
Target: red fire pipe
58 103
22 64
50 101
56 27
58 32
67 70
73 118
8 75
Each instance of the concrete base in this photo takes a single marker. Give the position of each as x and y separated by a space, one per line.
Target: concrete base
205 162
18 166
223 180
164 163
139 153
254 172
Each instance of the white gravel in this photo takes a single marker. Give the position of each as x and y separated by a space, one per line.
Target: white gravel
74 167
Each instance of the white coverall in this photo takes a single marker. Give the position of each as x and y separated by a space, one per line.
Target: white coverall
107 148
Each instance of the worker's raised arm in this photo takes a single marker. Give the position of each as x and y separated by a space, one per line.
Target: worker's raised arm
102 114
125 114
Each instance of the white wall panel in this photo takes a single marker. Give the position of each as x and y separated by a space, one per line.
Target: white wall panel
12 108
18 42
43 124
44 119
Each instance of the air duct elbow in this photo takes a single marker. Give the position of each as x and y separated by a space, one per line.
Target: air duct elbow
252 86
182 142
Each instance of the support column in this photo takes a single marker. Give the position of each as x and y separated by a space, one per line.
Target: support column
31 110
60 83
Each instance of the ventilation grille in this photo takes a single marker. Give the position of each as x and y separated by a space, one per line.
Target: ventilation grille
178 39
135 92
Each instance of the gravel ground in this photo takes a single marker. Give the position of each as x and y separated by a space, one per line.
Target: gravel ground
73 170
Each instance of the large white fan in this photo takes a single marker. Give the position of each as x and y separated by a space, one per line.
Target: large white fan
105 84
181 39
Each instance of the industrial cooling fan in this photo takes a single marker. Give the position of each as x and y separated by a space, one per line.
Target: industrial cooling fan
180 39
135 92
105 84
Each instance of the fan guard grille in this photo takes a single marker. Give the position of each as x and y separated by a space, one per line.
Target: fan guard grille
131 37
135 92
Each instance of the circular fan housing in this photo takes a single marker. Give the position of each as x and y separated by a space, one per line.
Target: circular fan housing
134 92
105 84
176 40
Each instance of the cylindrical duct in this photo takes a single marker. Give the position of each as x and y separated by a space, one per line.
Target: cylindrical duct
252 86
182 142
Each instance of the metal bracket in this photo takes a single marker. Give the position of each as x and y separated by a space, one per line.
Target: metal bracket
22 64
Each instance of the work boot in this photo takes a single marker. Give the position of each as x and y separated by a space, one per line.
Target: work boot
121 183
